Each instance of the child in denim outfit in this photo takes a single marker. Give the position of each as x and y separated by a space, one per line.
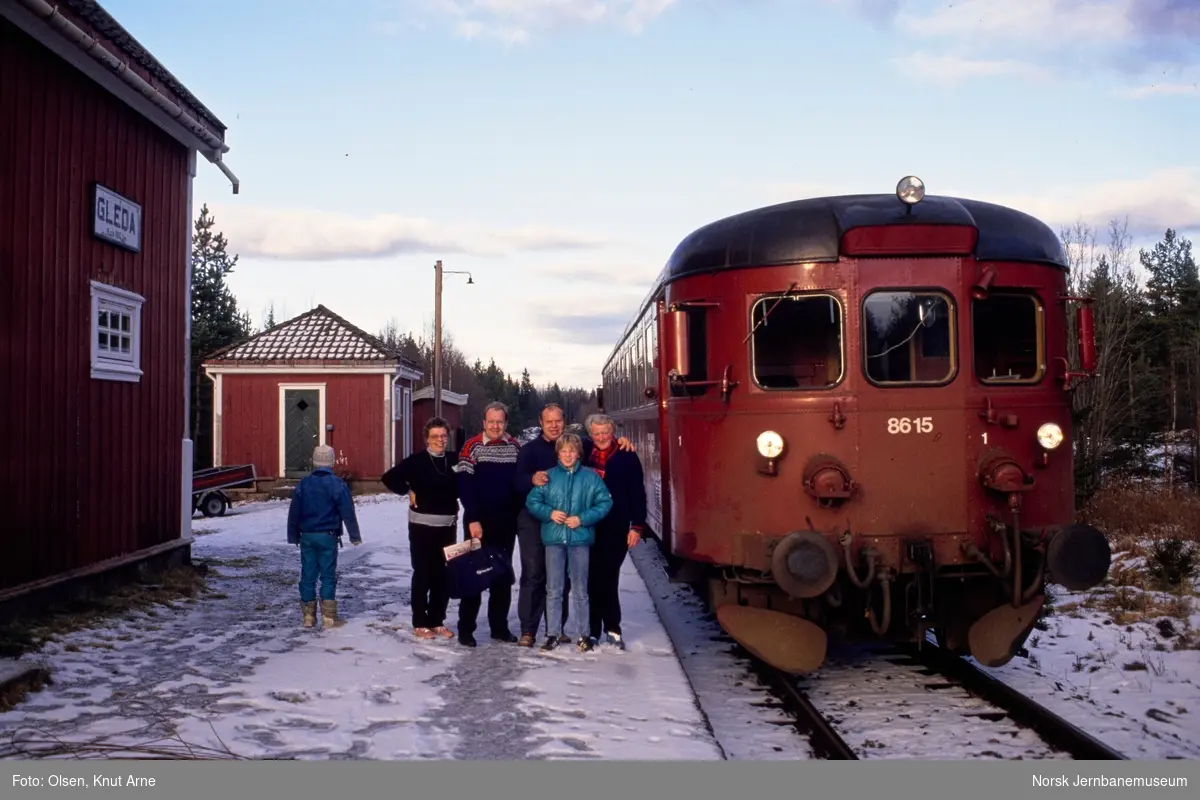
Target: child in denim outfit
321 504
569 505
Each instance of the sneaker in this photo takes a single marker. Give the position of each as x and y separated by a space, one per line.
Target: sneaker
466 640
443 632
423 633
564 639
587 645
615 639
550 644
526 640
506 636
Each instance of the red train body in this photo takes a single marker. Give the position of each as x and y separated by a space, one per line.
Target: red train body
847 406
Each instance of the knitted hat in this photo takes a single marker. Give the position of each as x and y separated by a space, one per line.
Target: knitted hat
322 456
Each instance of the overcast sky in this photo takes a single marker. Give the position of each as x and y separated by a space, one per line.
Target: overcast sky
560 149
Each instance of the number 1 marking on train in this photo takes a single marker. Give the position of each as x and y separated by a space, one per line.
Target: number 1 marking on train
985 437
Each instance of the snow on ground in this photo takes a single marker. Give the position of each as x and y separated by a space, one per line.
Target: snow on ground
1133 686
233 671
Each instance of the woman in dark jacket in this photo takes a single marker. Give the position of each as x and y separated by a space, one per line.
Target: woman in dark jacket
619 532
429 479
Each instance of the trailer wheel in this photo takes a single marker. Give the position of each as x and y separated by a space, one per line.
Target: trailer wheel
213 505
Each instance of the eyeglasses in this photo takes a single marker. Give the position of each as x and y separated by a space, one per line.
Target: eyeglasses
439 436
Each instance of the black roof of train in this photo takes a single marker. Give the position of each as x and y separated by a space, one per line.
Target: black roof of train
810 230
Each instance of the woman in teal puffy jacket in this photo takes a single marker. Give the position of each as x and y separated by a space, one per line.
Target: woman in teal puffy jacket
569 506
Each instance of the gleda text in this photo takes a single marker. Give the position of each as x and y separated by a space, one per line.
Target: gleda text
1104 780
107 781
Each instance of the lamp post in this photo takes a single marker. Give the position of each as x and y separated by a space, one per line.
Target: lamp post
437 331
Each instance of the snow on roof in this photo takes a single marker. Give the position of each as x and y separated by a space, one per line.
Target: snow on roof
453 398
103 24
316 335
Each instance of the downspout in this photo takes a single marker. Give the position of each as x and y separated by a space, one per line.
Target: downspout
216 413
189 445
392 455
92 47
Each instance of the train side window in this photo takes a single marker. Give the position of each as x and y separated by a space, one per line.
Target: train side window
652 352
697 335
908 337
639 359
1009 338
799 346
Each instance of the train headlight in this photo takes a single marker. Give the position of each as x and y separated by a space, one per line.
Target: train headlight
770 444
1050 436
910 189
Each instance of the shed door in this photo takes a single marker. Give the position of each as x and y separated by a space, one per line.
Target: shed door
302 430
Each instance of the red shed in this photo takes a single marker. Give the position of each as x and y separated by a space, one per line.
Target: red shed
314 379
98 147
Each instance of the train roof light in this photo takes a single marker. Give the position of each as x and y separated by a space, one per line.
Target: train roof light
910 190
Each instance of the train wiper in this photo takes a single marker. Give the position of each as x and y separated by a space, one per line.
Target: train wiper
762 322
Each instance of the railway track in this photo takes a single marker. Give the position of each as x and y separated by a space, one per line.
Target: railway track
904 702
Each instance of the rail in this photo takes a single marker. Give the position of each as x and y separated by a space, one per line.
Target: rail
826 742
1052 728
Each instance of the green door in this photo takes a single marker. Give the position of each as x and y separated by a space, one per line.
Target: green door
301 427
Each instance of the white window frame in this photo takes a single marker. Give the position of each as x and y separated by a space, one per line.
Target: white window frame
107 298
283 390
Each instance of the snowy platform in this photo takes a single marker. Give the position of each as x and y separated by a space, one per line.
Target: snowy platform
233 673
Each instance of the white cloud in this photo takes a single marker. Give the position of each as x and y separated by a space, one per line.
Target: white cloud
518 21
1151 90
951 70
1053 22
311 235
1168 198
1080 35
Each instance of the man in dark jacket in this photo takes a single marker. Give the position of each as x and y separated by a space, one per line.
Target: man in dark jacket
536 458
321 504
486 468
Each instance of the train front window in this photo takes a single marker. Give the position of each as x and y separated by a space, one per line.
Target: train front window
1008 338
908 337
799 343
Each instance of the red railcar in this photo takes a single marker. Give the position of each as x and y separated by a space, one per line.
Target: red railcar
847 407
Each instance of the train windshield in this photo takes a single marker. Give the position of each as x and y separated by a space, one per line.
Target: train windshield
797 341
908 337
1008 335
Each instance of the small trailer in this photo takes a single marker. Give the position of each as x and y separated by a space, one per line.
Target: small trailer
209 485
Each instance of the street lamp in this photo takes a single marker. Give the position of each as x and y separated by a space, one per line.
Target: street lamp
437 331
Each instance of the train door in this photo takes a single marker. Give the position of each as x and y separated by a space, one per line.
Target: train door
911 412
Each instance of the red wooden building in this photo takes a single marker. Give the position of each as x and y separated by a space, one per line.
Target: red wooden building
314 379
98 147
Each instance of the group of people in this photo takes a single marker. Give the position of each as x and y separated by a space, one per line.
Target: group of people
575 505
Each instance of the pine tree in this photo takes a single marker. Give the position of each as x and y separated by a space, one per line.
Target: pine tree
216 323
1173 297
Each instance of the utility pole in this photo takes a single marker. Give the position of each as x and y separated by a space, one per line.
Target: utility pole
437 331
437 339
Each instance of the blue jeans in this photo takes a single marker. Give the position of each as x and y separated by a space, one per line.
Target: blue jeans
560 558
318 557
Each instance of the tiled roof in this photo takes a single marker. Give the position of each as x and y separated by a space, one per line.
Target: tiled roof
317 335
103 24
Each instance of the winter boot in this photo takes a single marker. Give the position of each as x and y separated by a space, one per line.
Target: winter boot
329 615
310 613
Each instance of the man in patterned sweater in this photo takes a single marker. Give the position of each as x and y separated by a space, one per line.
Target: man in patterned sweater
486 467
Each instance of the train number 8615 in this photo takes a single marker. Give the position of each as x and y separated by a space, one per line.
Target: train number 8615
906 425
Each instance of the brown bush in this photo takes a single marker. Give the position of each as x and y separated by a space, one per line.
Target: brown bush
1132 513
